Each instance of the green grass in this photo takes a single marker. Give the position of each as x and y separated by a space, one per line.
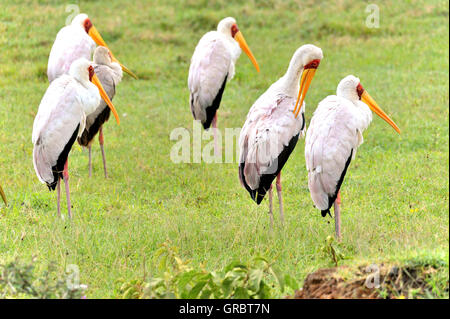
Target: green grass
395 195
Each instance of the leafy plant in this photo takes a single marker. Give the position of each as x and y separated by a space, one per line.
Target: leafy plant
332 250
179 279
19 280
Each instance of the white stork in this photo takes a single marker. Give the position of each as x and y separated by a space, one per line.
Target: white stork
333 136
273 126
73 42
2 194
212 65
60 119
110 74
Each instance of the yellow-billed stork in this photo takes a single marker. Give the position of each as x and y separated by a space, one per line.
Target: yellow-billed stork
333 136
212 65
273 126
110 74
60 119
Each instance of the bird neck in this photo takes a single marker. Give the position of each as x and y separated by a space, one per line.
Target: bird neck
291 79
233 46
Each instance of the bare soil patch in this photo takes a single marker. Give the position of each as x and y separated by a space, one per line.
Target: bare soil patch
367 282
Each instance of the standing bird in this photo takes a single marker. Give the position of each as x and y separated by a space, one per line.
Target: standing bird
110 74
60 119
334 134
273 126
73 42
2 194
212 65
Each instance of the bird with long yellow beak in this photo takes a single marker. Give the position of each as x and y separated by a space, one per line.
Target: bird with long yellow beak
334 134
273 126
60 119
74 41
212 66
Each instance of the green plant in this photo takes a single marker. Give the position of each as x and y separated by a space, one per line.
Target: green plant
256 279
332 250
19 280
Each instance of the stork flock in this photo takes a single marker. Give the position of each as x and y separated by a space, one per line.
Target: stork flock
77 103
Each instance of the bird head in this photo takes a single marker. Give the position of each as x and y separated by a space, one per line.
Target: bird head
350 88
83 20
229 28
308 58
102 55
83 71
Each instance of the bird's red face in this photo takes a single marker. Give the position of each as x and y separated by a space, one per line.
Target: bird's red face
237 35
91 72
309 70
95 35
234 30
87 25
94 79
359 90
314 64
367 99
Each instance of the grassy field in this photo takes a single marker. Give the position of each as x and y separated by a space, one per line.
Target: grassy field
395 196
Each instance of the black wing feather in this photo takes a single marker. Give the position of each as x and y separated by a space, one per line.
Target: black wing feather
332 198
62 159
212 109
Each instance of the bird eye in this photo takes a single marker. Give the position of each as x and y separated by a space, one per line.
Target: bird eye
234 30
87 25
314 64
91 72
359 90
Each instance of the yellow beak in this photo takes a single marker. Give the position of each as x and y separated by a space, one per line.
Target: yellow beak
2 193
124 68
305 81
366 98
243 44
105 97
95 35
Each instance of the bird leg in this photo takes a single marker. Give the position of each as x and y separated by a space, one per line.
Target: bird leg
280 198
337 216
90 160
58 192
270 207
66 183
102 141
214 125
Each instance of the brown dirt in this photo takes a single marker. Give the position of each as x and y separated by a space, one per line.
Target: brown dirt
344 283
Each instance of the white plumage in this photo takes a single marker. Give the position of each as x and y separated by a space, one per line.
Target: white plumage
63 108
333 137
213 60
212 65
72 42
271 129
335 131
75 41
60 119
270 126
